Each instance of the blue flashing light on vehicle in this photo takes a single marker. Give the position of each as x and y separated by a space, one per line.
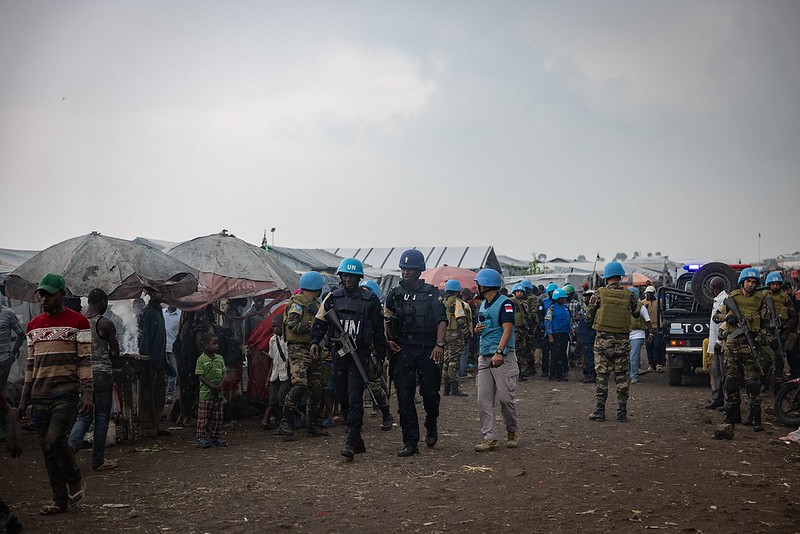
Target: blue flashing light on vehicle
692 267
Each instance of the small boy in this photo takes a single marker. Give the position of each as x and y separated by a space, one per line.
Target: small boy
279 378
210 370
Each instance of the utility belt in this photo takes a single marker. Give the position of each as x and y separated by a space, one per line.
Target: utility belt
417 339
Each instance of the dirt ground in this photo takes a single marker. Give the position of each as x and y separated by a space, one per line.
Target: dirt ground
661 470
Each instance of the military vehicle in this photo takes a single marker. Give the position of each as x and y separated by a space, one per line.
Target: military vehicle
684 312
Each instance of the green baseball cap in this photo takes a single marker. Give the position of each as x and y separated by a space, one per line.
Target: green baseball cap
52 283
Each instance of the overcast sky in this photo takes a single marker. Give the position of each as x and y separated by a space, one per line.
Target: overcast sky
558 127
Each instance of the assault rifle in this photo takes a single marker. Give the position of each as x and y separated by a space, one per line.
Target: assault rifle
347 345
775 323
744 328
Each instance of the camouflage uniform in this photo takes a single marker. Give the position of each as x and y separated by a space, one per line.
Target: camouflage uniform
306 371
375 387
532 303
521 346
610 310
786 319
741 368
459 322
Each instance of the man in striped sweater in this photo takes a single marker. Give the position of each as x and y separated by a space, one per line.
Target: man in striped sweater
58 383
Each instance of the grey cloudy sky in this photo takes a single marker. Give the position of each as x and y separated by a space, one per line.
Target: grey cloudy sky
559 127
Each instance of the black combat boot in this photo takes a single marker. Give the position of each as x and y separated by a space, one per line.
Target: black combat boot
287 421
455 391
388 420
360 446
447 389
350 446
314 428
730 416
432 436
622 413
755 413
599 413
737 414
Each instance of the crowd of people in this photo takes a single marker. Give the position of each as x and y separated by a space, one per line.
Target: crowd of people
327 350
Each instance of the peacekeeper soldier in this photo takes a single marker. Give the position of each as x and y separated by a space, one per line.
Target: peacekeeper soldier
738 358
375 371
544 305
610 310
416 323
459 325
521 322
786 321
574 307
359 312
305 367
532 303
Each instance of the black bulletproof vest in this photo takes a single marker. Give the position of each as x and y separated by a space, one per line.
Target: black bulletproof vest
414 309
353 313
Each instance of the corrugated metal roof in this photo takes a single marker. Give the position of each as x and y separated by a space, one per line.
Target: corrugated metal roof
388 258
513 262
307 259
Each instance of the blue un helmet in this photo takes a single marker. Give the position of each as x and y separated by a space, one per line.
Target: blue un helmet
452 285
518 287
612 269
311 281
412 259
351 266
552 286
635 291
527 284
774 276
559 294
750 272
489 278
373 286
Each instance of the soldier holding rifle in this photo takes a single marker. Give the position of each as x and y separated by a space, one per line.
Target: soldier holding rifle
744 311
350 316
782 322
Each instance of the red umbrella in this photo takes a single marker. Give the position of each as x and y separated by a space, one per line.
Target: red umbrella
438 276
636 280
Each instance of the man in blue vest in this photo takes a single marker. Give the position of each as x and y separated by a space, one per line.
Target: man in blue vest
416 323
497 361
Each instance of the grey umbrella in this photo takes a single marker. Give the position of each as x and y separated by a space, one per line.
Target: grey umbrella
230 257
119 267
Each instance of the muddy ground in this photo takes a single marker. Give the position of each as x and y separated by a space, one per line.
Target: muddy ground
662 470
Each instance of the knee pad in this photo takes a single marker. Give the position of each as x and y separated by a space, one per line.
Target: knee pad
753 387
731 385
316 394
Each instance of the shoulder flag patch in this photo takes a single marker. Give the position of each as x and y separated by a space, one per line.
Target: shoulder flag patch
508 307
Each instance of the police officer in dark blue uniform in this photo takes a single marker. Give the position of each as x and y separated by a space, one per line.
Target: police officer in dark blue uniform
416 322
359 312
